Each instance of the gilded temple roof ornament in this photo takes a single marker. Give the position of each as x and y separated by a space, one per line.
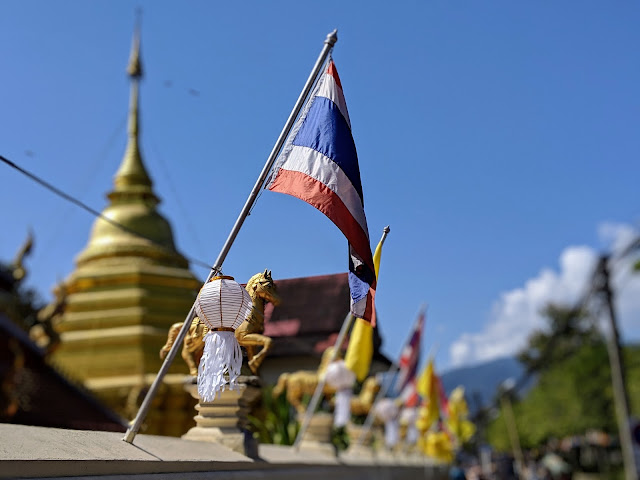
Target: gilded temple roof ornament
132 174
132 201
134 69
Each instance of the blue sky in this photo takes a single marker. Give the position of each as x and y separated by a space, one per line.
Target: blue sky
498 139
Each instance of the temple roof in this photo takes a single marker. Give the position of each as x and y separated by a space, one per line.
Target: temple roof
310 316
36 394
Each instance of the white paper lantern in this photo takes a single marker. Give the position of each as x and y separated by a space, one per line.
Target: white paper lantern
386 409
222 304
408 415
342 379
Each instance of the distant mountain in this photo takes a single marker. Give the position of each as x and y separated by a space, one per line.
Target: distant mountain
481 381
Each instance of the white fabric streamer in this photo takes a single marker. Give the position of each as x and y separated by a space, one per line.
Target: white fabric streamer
412 434
391 433
342 411
408 417
220 364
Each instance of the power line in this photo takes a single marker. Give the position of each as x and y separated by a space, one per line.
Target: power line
92 211
54 233
184 211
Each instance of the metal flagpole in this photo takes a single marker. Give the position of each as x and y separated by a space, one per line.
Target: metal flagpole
320 387
329 42
313 403
383 391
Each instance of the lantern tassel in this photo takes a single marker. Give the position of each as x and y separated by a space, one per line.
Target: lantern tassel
412 434
391 433
342 411
221 358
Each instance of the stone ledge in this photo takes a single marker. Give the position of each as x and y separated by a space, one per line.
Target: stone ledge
277 473
37 452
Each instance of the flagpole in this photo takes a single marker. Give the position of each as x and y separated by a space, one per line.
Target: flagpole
385 232
368 423
320 386
313 403
329 42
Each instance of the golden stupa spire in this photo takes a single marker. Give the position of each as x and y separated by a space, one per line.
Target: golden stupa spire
132 175
132 202
129 286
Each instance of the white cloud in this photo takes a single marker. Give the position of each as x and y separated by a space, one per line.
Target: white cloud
616 236
517 312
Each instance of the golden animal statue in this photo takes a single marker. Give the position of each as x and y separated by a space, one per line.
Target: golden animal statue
250 334
303 382
362 403
192 346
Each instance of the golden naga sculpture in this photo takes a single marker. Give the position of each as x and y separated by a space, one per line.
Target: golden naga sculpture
250 334
44 333
17 265
11 277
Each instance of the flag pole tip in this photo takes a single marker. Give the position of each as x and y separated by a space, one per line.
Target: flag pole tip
386 229
332 38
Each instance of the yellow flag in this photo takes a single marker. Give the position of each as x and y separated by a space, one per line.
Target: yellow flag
438 445
425 386
376 257
458 424
360 349
428 389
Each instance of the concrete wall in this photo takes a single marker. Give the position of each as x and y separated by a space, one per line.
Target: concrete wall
36 452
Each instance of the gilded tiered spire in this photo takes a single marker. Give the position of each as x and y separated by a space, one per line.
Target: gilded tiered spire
132 175
132 201
129 286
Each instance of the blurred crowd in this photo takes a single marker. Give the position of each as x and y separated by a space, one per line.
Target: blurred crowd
594 452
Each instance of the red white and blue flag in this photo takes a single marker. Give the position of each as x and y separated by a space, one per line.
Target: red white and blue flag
409 359
319 165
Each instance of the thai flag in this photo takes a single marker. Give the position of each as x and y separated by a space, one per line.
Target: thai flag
409 395
319 165
410 358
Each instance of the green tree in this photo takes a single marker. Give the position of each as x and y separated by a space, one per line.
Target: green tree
573 390
568 330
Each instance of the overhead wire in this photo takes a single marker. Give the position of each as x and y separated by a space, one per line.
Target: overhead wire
92 211
98 160
184 211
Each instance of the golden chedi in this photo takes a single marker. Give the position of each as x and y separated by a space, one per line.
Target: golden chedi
129 286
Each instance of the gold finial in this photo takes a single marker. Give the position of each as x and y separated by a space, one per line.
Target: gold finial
132 171
134 69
